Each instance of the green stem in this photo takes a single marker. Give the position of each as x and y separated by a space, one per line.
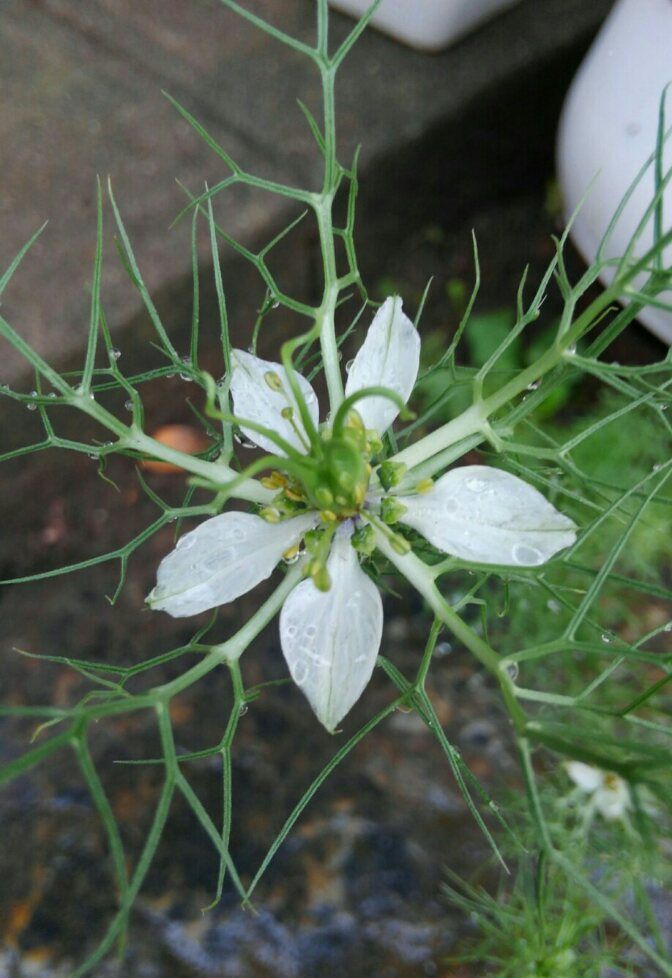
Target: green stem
323 206
213 472
421 576
475 419
325 317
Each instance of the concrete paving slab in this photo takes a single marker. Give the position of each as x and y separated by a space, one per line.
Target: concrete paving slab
80 85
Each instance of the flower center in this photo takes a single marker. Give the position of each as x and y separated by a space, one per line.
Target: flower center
341 479
335 477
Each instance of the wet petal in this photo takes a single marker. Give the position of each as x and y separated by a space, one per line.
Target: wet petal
254 400
489 516
388 357
331 639
222 559
584 776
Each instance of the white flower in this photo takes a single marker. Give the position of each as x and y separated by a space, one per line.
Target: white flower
608 792
331 623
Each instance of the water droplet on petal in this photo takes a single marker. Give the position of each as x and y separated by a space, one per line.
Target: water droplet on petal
348 366
299 671
476 485
526 556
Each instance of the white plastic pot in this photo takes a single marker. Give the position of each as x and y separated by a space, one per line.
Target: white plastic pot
426 24
608 130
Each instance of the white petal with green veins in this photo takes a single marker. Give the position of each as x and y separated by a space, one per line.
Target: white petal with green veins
254 400
221 559
388 357
330 639
489 516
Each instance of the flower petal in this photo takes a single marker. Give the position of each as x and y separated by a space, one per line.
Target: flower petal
331 639
388 357
612 801
221 559
584 776
486 515
254 400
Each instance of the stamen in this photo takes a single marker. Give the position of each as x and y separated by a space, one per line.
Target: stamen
364 540
276 480
274 381
288 415
320 576
391 509
270 514
391 473
397 542
424 486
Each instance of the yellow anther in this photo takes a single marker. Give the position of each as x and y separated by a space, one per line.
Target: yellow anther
320 576
291 553
359 494
273 380
354 421
424 485
270 514
276 480
328 516
295 495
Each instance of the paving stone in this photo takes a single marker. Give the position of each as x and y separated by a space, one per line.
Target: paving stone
80 95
